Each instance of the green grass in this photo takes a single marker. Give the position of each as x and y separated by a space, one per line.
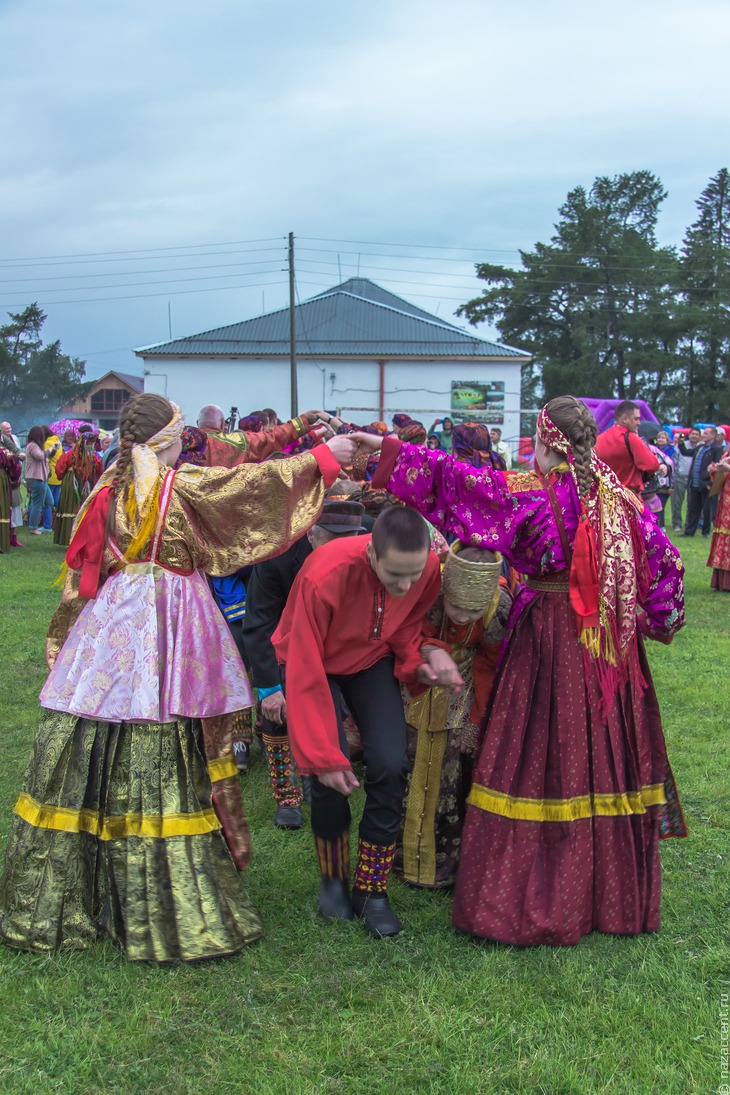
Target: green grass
323 1008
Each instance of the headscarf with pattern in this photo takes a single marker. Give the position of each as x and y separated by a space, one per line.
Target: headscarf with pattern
472 443
609 571
413 432
251 423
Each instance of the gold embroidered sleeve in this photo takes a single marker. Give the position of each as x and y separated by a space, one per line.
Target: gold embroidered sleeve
64 617
231 517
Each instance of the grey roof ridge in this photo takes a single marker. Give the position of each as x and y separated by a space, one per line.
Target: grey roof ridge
435 322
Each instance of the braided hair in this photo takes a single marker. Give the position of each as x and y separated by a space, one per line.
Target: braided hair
574 419
142 417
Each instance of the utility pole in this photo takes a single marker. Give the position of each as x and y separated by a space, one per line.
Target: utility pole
292 333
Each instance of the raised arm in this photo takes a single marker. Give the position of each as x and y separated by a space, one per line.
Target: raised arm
474 504
245 514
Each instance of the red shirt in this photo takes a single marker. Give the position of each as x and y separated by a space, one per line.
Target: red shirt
612 449
339 620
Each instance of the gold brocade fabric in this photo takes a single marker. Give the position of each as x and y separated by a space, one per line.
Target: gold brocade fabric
442 740
218 520
119 832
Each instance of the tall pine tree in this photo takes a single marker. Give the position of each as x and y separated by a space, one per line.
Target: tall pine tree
595 306
705 269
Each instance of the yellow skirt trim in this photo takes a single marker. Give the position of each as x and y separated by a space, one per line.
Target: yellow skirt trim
567 809
222 768
65 820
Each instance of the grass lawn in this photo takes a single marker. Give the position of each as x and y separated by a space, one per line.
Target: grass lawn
323 1008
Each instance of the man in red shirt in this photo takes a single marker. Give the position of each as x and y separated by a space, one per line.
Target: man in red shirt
623 450
352 626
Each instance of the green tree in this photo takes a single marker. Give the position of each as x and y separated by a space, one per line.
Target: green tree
597 305
35 379
705 269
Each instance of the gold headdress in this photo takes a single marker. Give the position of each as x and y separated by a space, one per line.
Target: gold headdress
469 585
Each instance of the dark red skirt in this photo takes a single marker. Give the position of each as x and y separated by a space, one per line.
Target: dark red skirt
570 795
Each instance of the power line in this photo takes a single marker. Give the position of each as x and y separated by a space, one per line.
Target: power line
144 250
150 296
133 273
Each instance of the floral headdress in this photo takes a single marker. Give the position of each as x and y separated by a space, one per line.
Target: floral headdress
608 568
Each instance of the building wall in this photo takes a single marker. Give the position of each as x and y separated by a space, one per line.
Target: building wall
420 388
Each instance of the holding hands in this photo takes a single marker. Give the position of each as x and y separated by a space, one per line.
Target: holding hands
440 670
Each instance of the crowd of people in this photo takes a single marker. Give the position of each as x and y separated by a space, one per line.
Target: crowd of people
396 597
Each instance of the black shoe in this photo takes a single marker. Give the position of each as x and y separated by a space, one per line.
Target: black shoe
288 817
241 755
334 899
374 909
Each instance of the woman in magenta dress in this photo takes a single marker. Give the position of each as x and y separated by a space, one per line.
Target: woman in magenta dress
572 786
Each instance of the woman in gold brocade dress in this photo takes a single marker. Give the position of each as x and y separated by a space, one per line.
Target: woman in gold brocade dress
131 823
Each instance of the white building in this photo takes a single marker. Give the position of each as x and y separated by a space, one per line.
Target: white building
361 351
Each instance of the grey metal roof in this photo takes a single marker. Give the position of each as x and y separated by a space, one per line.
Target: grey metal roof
355 319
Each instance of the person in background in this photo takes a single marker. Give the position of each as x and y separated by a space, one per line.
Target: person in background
664 446
9 471
719 558
7 430
36 477
623 450
78 468
445 434
698 481
13 459
501 447
433 441
413 431
52 446
685 453
207 445
472 443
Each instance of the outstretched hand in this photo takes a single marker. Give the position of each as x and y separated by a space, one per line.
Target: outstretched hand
344 782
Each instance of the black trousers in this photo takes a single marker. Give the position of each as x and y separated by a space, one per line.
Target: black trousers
698 505
374 698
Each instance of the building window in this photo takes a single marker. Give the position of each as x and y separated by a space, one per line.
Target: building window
109 399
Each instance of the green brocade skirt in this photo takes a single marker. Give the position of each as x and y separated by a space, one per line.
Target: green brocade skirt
116 834
68 507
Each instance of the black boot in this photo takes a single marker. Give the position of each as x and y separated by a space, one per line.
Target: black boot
288 817
334 899
378 918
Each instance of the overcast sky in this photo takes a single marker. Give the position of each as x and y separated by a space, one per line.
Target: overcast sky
401 139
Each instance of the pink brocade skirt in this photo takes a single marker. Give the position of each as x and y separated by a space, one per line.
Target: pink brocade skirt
568 802
151 647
